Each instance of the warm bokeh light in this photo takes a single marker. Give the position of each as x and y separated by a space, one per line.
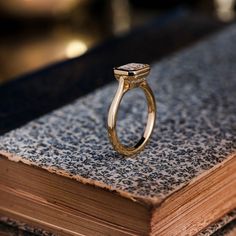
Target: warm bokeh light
225 9
75 48
42 7
37 33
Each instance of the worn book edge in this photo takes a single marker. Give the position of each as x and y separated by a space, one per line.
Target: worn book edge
210 230
151 201
219 224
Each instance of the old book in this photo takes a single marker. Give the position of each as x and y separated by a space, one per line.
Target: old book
227 230
60 173
227 222
224 226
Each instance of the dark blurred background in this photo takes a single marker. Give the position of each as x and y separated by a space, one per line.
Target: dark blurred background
35 33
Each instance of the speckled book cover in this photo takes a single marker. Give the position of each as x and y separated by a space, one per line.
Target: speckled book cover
195 133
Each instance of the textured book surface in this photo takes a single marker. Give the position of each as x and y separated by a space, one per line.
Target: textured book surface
219 225
195 132
227 230
14 226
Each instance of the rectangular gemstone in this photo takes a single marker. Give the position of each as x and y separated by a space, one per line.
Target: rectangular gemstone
132 67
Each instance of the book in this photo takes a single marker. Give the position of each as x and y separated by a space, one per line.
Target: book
227 230
10 226
227 222
60 173
226 225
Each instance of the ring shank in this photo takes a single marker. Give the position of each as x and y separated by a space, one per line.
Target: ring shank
112 117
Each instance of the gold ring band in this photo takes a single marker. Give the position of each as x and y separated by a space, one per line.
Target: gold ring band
131 76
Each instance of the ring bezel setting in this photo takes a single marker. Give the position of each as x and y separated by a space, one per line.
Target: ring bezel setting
132 72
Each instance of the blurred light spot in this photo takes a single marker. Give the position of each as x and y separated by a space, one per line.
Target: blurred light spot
39 7
225 9
121 16
75 48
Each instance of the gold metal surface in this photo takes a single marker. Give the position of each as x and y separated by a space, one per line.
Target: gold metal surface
131 77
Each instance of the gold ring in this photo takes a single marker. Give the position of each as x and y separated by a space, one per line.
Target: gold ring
132 75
